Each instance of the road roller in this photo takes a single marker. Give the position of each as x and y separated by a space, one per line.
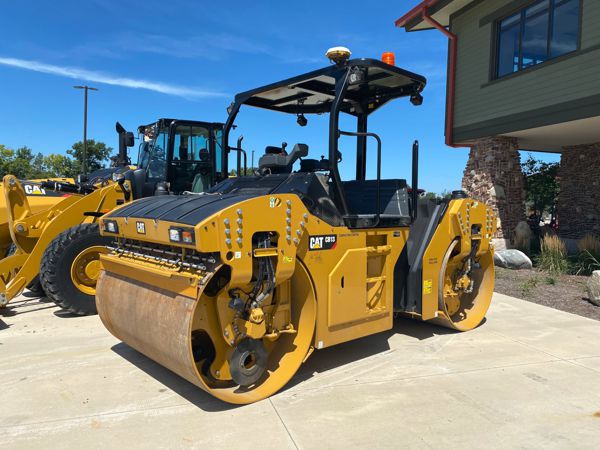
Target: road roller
235 288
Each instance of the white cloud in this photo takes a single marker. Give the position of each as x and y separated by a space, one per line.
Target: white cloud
105 78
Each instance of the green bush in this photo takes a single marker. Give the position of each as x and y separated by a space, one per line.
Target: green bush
553 256
527 286
589 255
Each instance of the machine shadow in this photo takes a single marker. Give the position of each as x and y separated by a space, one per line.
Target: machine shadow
180 386
64 314
320 361
27 305
339 355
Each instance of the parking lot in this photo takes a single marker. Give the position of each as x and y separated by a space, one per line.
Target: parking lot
528 377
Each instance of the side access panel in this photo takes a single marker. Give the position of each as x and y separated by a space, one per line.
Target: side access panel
359 292
347 294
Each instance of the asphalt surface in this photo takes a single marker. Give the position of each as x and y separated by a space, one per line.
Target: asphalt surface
529 377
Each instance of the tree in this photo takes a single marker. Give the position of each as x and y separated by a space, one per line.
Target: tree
6 155
248 173
60 166
22 163
541 184
433 196
97 155
26 165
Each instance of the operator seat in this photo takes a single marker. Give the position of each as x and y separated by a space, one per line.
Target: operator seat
203 179
276 160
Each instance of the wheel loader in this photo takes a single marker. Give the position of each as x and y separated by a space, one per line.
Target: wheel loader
234 289
53 225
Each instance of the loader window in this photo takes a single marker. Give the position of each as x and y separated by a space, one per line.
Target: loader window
144 155
191 164
157 165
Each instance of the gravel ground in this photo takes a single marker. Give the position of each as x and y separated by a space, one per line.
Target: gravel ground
564 292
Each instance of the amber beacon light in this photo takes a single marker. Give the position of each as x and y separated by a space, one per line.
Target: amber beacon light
389 58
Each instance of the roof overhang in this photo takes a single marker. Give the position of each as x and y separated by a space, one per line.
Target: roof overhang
439 10
553 138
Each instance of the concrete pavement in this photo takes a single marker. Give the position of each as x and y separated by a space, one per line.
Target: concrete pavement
529 377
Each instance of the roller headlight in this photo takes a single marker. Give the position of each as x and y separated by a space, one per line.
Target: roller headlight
183 235
110 226
174 235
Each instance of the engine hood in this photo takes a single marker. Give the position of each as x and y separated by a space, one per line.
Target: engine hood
183 209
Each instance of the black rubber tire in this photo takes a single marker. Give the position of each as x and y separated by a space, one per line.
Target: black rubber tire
55 268
35 287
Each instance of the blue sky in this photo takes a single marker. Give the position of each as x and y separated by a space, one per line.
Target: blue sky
187 60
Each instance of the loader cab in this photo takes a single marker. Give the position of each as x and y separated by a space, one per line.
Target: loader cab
355 88
177 156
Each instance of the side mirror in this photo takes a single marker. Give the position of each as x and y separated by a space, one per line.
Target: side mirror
129 139
126 139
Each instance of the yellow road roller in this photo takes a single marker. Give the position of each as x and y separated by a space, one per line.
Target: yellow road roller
234 288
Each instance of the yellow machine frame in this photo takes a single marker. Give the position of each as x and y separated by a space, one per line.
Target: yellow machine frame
32 231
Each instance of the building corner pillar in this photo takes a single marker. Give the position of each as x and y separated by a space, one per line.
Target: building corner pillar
493 175
578 207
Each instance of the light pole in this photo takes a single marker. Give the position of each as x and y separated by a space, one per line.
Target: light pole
85 96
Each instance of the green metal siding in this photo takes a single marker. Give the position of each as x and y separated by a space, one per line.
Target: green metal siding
479 99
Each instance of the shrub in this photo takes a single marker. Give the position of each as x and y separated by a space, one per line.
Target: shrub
591 244
553 256
589 255
587 263
528 286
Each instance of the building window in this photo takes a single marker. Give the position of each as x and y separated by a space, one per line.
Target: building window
544 30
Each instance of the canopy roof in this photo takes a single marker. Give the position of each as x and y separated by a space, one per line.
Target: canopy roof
314 92
164 123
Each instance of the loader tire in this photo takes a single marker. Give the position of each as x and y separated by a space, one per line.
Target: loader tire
35 287
69 268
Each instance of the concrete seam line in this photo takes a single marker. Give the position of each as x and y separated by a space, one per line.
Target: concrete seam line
283 423
416 377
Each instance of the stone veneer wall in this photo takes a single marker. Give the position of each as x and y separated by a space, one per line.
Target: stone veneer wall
493 175
579 197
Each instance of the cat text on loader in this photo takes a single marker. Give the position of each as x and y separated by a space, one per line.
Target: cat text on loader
234 289
59 244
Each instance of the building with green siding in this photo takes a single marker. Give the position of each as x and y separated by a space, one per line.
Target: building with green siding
523 75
